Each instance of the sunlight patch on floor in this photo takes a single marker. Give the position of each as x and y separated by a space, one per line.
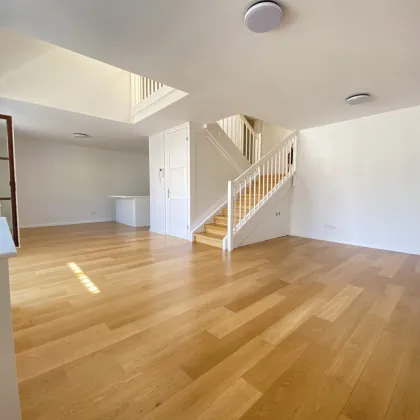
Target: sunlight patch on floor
84 279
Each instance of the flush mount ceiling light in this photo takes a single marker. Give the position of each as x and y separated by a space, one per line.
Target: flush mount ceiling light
263 17
80 135
360 98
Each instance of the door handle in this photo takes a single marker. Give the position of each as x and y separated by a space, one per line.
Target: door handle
169 193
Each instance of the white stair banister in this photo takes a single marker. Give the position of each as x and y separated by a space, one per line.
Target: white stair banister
246 139
142 88
248 192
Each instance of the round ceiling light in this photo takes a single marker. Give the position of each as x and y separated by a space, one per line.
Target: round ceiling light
360 98
79 135
263 17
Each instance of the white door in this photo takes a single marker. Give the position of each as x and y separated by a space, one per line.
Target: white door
176 155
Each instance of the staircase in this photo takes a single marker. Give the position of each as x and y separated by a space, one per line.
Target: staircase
248 194
216 232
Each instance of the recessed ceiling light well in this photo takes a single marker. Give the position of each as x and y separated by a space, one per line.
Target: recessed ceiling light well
80 135
263 16
359 98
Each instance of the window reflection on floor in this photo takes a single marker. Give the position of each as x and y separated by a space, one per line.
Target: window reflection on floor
84 279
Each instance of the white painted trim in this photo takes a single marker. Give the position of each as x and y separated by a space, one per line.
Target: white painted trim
208 215
358 245
162 98
221 150
79 222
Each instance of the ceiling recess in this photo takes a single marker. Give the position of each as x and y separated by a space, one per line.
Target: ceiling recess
263 17
80 135
360 98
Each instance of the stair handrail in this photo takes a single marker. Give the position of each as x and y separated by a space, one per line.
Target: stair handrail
265 157
268 175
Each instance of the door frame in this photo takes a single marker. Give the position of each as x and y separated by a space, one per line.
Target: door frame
170 131
12 172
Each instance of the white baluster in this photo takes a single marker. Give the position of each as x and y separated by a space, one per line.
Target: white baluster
235 207
276 180
246 142
244 200
249 197
283 162
255 190
230 217
271 173
240 203
263 181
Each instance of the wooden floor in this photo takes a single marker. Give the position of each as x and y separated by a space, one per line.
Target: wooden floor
113 323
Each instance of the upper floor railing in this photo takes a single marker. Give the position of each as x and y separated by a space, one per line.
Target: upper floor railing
246 139
142 88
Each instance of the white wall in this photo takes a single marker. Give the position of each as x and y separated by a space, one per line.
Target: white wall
64 184
362 177
272 135
63 79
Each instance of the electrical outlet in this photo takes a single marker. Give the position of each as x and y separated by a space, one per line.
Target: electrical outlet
330 227
277 213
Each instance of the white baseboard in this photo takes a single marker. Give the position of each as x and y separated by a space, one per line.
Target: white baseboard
80 222
358 244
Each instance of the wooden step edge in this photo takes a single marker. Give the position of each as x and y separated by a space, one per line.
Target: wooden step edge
216 229
209 239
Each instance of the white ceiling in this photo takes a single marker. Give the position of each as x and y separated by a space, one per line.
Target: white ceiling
17 49
296 76
36 122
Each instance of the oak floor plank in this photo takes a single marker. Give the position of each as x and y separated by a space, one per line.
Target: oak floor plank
240 318
291 328
349 364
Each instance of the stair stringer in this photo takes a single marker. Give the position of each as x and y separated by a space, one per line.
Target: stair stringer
243 236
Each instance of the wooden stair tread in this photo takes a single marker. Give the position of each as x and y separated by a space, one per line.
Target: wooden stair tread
221 220
210 235
209 239
216 229
215 225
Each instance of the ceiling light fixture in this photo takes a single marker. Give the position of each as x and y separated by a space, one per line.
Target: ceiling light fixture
263 16
360 98
80 135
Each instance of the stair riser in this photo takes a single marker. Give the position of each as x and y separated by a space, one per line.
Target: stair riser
210 241
239 215
216 231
